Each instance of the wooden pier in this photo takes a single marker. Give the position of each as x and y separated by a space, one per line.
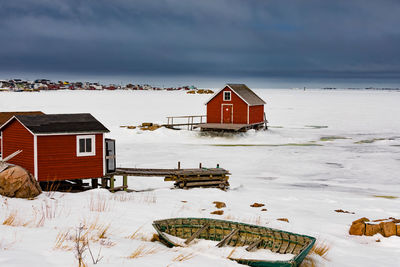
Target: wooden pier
189 121
231 127
184 178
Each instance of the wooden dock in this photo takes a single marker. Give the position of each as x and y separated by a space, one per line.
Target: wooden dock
184 178
231 127
188 121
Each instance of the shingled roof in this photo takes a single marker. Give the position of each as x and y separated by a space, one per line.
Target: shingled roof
5 116
245 93
61 123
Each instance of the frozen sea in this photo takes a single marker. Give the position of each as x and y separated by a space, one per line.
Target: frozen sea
324 150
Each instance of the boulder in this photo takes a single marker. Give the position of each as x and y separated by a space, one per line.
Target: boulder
15 181
372 229
357 228
388 228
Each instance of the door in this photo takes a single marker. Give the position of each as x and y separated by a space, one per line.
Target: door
227 113
110 155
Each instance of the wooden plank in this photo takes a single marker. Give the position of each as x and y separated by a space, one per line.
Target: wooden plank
196 234
277 242
253 246
227 238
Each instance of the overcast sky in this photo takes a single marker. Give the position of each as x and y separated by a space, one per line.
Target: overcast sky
219 38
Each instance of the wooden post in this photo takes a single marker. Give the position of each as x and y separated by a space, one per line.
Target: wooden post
95 183
179 165
103 182
200 165
125 182
112 184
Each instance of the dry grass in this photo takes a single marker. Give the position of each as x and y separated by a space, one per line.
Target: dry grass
99 203
50 209
11 219
62 237
123 197
319 250
184 257
142 251
149 198
137 235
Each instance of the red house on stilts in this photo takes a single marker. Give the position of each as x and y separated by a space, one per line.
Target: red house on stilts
235 108
57 146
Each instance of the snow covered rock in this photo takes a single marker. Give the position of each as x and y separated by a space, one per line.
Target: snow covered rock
15 181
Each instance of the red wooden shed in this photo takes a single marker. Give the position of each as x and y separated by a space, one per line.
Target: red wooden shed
235 104
56 146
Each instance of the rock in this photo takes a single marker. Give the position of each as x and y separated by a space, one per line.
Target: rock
218 212
344 211
388 228
283 219
263 209
219 204
362 220
147 124
257 205
357 228
17 182
372 229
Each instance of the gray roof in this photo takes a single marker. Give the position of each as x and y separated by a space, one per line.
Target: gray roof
247 94
62 123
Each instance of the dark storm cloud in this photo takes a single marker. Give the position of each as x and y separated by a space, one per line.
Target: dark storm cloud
353 38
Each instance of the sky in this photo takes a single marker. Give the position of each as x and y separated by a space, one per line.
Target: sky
221 40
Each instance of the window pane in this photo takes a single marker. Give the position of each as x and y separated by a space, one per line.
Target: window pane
227 96
88 145
81 145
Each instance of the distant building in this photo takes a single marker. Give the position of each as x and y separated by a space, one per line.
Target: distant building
235 104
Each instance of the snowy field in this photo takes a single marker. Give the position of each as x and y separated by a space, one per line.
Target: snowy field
325 150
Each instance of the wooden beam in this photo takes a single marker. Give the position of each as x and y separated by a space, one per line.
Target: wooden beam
253 246
125 182
196 234
112 184
227 238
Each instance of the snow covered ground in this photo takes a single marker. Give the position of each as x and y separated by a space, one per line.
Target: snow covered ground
325 150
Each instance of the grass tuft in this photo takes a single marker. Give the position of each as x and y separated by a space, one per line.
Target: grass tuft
184 257
319 250
142 251
99 203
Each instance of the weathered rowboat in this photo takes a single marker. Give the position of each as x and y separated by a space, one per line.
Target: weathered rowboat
237 234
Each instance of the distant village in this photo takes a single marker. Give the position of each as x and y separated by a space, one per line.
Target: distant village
19 85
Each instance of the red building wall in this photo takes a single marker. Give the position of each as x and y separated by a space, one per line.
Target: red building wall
17 137
256 114
57 159
239 108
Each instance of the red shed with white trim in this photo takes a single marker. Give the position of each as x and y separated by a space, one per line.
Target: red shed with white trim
56 146
235 104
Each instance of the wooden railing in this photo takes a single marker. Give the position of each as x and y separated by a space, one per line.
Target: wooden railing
181 121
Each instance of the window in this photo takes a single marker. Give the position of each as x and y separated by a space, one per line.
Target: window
85 145
227 96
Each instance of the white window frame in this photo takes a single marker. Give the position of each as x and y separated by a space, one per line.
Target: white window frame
85 154
230 95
